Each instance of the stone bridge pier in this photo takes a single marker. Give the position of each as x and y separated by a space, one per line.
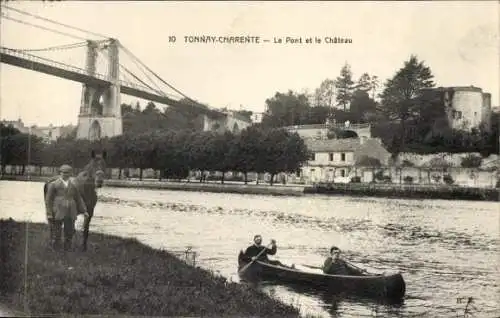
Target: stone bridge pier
100 111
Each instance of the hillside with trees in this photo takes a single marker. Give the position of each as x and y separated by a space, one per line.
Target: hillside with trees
406 115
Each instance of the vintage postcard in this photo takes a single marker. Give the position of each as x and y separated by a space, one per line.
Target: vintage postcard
249 159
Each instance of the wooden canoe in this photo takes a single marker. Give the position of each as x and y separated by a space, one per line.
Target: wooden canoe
388 286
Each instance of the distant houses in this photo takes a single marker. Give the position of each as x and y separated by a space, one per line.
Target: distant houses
47 133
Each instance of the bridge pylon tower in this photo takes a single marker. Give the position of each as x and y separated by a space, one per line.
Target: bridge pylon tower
100 108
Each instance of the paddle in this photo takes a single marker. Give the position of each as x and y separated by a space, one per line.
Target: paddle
356 267
256 257
314 267
350 264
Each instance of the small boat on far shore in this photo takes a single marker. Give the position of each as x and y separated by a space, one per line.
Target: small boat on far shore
362 283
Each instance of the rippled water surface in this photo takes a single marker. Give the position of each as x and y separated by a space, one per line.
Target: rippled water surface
445 249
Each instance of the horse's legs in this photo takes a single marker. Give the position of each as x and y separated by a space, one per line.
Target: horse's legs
86 225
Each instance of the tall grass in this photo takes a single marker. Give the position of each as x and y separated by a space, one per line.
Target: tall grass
117 276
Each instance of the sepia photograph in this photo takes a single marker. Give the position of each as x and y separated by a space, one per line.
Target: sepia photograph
250 159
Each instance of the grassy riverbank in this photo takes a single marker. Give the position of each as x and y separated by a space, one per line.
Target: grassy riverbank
116 276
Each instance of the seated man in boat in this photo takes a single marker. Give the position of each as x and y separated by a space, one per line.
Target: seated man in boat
259 252
334 265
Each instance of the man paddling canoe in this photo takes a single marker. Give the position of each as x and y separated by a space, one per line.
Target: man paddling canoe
334 265
258 252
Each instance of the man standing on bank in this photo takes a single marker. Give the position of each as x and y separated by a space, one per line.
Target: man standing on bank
63 203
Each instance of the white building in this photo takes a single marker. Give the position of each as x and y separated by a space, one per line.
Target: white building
257 117
466 107
336 160
227 121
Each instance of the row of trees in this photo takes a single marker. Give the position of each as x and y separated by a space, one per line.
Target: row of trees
174 153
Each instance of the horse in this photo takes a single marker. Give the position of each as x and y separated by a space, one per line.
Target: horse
87 181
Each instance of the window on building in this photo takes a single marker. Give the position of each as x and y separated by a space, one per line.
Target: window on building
312 157
297 173
331 156
342 157
342 173
457 114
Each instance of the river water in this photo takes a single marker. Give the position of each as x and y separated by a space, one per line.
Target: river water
446 250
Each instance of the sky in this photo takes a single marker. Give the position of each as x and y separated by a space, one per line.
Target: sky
459 41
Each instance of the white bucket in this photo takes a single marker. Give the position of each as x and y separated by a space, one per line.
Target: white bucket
80 219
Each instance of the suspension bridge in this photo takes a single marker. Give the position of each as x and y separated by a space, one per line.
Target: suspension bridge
100 108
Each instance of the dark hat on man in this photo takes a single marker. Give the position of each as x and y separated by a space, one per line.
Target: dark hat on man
65 168
335 248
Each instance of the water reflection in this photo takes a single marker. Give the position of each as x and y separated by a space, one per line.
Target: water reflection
445 249
338 304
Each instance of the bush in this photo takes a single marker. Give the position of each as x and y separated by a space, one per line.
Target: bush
408 179
407 163
387 179
379 175
436 178
471 161
448 179
367 161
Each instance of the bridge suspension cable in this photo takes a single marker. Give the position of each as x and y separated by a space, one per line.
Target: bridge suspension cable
42 27
58 47
133 75
157 76
55 22
149 78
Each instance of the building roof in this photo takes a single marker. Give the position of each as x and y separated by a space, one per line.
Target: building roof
370 147
329 145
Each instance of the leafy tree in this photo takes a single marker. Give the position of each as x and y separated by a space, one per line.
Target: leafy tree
344 85
221 160
271 155
142 151
401 92
286 110
172 156
317 115
471 161
245 152
296 153
151 109
362 106
119 156
324 95
368 84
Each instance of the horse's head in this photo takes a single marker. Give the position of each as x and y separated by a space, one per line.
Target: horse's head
95 170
